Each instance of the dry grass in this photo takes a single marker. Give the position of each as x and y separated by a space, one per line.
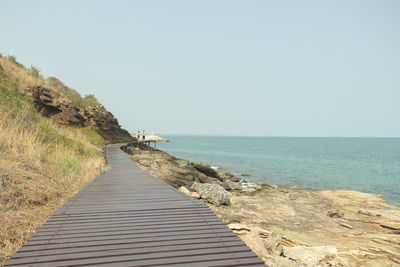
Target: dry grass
23 78
39 171
20 75
42 164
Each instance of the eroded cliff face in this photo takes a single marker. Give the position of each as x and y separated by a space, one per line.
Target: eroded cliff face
64 112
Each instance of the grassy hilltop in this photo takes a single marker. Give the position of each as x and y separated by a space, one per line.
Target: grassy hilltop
42 163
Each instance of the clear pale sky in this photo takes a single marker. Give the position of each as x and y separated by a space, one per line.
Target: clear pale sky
274 68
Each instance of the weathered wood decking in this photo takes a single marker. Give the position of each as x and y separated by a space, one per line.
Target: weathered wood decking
126 217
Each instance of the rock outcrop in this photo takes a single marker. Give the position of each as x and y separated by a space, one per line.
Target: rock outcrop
207 170
213 193
174 171
64 112
106 124
293 227
61 111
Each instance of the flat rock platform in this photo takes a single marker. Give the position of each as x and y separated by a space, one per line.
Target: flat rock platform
127 217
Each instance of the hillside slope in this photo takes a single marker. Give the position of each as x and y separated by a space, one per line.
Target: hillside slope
51 145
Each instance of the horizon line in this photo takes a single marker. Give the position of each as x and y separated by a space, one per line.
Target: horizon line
286 136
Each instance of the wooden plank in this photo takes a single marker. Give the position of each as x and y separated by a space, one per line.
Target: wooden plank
126 217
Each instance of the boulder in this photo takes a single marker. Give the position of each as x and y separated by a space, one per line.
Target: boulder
229 185
234 179
310 255
207 170
212 193
206 179
229 174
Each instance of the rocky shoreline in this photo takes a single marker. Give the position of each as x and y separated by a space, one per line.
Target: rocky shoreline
287 226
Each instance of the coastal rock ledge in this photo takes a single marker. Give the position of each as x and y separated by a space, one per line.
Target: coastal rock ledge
289 226
178 172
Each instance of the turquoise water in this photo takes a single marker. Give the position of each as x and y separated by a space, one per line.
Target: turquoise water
369 165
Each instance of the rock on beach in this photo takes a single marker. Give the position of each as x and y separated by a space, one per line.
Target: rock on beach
207 170
212 193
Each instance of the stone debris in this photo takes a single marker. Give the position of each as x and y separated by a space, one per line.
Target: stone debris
233 185
335 213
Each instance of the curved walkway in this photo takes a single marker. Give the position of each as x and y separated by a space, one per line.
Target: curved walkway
126 217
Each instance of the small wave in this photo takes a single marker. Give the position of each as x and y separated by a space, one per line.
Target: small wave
214 168
248 185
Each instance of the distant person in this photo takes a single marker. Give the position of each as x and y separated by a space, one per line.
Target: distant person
138 135
144 135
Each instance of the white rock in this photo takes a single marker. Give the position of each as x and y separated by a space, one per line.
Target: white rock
213 193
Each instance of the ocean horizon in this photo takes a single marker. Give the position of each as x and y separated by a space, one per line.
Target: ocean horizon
365 164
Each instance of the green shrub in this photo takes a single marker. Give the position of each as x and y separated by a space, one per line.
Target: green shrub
13 59
11 98
71 94
93 137
34 71
67 163
90 100
48 135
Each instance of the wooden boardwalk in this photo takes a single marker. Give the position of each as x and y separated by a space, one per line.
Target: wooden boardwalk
126 217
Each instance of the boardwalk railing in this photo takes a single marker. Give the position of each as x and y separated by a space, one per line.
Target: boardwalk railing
126 217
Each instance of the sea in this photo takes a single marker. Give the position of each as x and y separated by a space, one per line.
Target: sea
370 165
